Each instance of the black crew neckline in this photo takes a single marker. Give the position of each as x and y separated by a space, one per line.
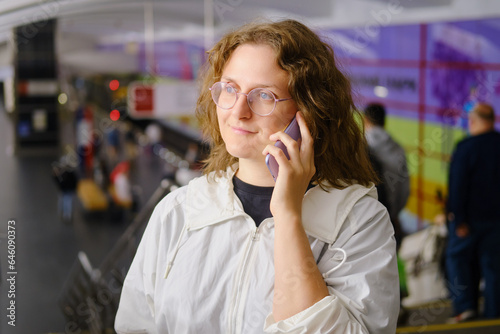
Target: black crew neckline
252 189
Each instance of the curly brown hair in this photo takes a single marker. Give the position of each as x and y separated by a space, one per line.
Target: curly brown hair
321 91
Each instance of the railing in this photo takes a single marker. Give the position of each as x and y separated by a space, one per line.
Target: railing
90 296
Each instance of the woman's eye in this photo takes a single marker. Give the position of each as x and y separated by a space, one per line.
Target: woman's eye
265 96
229 89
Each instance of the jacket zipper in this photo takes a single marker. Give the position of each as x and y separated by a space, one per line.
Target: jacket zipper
237 300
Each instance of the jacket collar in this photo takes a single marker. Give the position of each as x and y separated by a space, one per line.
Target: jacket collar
211 200
376 136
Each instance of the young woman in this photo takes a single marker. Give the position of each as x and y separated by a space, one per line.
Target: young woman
236 251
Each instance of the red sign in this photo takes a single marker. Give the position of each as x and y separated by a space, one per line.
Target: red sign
162 99
142 99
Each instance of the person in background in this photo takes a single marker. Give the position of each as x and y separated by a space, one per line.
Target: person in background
474 214
391 158
235 251
113 145
130 141
154 134
66 178
120 184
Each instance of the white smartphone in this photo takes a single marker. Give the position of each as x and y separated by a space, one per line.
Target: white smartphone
293 131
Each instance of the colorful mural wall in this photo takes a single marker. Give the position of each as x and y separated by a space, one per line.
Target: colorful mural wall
428 76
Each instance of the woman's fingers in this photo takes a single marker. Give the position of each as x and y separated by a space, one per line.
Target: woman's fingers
300 152
307 143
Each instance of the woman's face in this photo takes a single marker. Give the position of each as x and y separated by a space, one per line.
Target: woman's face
246 134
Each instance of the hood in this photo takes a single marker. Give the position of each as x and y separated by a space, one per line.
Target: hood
376 136
324 213
211 200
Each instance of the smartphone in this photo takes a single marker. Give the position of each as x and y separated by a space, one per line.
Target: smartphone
293 131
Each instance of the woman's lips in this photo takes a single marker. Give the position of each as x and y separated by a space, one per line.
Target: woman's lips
241 131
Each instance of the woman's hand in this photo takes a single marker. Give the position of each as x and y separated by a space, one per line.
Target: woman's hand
294 174
292 253
462 230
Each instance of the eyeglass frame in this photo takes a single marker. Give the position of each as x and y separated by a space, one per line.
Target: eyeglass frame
246 94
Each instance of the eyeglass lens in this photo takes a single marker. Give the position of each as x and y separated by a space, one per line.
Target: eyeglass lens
262 101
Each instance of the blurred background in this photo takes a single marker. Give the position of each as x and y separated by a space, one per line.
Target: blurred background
97 108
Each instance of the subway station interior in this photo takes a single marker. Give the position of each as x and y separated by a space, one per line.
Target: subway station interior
98 91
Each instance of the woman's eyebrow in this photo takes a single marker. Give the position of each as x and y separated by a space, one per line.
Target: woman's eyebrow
227 78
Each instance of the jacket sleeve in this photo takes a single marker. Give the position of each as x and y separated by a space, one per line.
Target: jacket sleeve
136 309
458 184
403 191
364 291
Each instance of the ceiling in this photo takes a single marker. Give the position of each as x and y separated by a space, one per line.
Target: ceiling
85 26
119 20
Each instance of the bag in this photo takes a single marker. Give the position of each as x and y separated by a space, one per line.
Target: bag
422 253
91 196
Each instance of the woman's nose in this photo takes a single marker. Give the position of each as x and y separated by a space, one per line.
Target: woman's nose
241 109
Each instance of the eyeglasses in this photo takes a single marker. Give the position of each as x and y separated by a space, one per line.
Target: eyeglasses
260 100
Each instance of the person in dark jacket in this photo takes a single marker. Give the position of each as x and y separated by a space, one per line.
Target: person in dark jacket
474 214
67 180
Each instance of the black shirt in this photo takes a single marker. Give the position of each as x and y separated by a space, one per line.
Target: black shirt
255 199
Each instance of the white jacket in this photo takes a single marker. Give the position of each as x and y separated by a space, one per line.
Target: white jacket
203 267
